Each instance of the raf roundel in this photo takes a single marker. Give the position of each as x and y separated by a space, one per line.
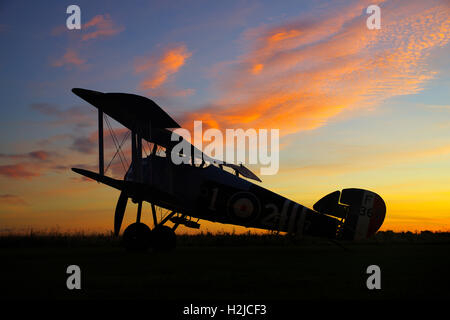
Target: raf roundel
243 207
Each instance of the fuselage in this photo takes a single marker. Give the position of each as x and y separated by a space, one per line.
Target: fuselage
211 193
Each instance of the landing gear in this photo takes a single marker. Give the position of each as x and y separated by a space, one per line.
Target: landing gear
138 237
163 239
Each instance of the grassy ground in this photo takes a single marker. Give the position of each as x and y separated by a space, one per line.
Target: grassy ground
223 267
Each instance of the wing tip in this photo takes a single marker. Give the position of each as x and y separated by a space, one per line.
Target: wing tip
85 93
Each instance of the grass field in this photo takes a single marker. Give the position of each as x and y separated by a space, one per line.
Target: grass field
223 267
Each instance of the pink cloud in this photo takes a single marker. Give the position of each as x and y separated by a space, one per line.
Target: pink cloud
19 171
103 26
28 165
34 155
71 57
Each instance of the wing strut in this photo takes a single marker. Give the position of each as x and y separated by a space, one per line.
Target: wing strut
136 156
101 161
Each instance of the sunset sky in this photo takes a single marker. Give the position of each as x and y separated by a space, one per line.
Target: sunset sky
355 107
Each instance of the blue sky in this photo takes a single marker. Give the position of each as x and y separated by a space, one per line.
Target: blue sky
237 64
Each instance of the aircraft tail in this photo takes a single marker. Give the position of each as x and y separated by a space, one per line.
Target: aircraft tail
363 211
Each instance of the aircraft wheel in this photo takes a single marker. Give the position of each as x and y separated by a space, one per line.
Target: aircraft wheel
136 237
163 239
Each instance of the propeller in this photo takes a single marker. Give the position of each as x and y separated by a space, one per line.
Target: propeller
120 211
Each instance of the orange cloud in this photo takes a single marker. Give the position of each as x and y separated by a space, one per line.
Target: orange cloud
19 171
309 70
69 58
160 68
257 68
103 26
31 164
183 93
12 199
283 35
34 155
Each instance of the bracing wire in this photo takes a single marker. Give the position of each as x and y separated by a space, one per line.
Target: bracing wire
117 151
117 145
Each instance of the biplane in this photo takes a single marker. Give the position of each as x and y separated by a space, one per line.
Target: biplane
191 192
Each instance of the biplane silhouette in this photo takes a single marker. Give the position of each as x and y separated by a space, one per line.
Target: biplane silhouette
191 192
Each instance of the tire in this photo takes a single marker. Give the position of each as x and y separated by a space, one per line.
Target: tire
163 238
136 237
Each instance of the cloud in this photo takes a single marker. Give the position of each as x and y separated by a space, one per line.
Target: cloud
58 30
12 199
27 165
116 168
160 68
70 58
101 26
36 163
19 171
34 155
298 75
170 91
80 116
88 144
84 145
183 93
115 165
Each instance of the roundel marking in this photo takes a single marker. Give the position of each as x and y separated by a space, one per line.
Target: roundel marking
243 207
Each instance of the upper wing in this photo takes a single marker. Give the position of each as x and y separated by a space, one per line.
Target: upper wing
132 111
